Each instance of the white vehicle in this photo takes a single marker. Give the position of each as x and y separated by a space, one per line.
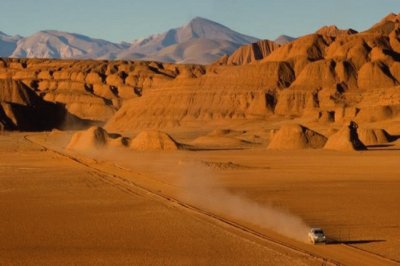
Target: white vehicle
316 235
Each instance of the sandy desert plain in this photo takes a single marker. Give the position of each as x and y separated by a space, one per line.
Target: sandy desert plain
146 163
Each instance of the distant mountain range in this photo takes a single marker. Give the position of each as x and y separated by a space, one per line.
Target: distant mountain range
56 44
8 44
201 41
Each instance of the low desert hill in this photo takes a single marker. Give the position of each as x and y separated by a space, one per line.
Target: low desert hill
332 76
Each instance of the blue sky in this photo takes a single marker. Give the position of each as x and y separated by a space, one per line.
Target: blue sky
126 20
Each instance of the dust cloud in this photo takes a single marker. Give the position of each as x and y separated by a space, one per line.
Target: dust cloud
203 190
198 186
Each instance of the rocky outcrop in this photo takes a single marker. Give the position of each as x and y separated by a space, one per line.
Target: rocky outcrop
334 31
375 136
22 109
95 138
346 139
331 76
375 75
152 140
90 90
294 136
250 53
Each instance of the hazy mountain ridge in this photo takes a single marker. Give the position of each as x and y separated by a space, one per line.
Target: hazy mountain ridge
200 41
56 44
284 39
8 44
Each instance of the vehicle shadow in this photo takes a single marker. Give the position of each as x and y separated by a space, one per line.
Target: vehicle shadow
353 242
382 149
380 146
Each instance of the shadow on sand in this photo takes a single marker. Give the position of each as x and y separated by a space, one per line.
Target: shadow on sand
353 242
200 149
387 146
382 147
